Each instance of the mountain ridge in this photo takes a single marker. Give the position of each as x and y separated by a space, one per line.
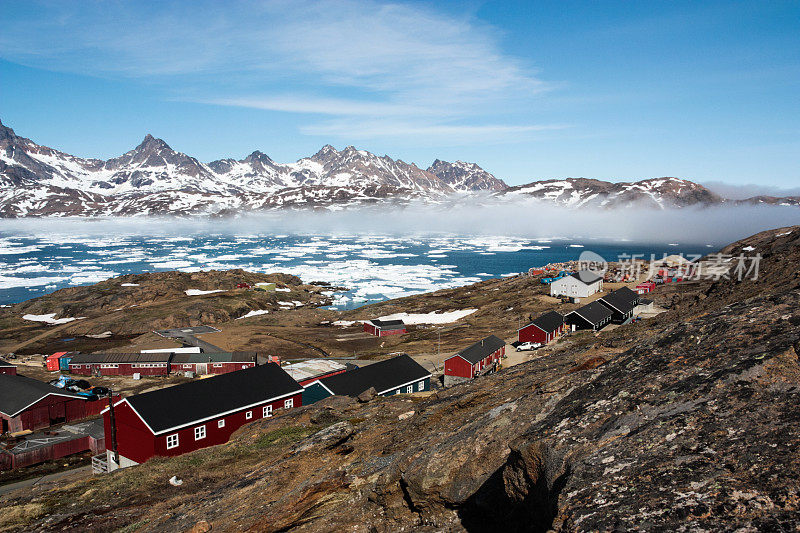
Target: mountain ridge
155 179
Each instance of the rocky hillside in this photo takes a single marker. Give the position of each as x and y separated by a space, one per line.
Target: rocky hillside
683 422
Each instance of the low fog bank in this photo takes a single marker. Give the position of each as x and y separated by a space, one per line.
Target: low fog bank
710 225
742 192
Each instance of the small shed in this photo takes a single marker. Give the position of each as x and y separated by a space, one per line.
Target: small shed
481 358
645 287
621 302
594 316
400 374
581 284
53 361
382 328
543 329
7 368
201 413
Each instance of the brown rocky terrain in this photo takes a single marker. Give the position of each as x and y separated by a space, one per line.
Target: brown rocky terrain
683 422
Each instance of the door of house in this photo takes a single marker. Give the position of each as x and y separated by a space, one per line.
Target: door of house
202 368
57 413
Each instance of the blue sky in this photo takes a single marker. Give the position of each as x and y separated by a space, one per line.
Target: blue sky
529 90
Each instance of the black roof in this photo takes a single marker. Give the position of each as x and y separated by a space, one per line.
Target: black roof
222 357
645 301
90 358
586 276
482 349
550 321
203 399
593 312
5 363
623 300
383 375
19 392
388 324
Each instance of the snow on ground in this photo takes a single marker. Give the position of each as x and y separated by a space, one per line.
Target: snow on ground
435 317
283 289
255 312
129 285
198 292
344 323
50 319
748 248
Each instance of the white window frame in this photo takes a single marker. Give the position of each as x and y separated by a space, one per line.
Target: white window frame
200 432
288 403
409 389
217 365
248 415
172 441
267 411
221 423
421 386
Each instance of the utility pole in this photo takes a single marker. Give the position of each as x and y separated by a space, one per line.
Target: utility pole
113 423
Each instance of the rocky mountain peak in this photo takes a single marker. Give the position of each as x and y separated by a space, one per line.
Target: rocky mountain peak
152 143
466 176
258 156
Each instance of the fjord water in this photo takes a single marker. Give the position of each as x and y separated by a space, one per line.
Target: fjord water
372 267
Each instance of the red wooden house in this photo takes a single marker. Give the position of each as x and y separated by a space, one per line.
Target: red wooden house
382 328
481 358
544 329
120 364
7 368
27 403
645 287
212 363
200 413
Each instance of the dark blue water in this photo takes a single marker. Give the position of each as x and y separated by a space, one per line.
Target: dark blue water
373 267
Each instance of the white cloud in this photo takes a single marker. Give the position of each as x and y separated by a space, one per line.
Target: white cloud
361 59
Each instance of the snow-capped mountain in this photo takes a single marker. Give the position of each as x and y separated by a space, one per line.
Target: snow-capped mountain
466 176
154 179
580 192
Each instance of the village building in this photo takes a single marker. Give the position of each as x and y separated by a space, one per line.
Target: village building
544 328
621 302
183 418
398 375
212 363
644 306
382 328
481 358
645 287
53 361
120 364
306 372
7 368
594 316
27 403
581 284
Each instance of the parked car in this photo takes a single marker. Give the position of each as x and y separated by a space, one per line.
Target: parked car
100 391
526 346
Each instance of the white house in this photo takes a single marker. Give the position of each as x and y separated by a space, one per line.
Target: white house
578 285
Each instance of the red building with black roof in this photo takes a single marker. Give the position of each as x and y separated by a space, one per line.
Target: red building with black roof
481 358
212 363
7 368
382 328
544 329
120 364
27 403
183 418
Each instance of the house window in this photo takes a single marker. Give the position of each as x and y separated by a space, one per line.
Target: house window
421 386
288 404
248 415
187 366
217 365
267 411
221 423
409 389
200 432
172 441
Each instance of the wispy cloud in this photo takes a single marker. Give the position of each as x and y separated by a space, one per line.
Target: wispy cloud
362 59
